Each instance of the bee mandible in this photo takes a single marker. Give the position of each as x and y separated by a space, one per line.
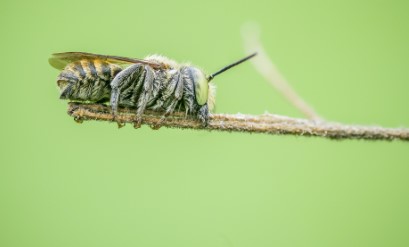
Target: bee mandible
154 83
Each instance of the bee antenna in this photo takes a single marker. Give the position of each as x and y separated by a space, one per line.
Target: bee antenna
210 77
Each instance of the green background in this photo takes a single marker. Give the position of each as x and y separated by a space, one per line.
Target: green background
66 184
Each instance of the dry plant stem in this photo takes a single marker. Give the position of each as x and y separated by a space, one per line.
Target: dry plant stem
266 67
266 123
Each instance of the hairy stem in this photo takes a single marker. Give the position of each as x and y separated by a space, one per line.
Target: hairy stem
269 71
266 123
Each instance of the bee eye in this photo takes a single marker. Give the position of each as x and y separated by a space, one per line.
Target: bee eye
200 83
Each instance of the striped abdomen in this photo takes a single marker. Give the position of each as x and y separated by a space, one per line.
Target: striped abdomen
87 80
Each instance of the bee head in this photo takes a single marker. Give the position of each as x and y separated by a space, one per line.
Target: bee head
201 84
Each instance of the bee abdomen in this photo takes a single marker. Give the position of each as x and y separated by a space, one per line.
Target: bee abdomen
104 70
87 80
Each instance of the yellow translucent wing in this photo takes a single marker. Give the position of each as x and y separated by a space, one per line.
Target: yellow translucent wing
60 60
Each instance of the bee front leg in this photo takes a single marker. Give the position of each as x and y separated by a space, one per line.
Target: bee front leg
145 94
203 114
123 80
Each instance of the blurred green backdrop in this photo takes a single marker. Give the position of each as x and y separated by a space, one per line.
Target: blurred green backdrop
65 184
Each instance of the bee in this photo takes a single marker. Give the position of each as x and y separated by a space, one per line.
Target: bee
154 83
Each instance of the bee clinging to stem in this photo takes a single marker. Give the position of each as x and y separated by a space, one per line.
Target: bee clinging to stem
154 83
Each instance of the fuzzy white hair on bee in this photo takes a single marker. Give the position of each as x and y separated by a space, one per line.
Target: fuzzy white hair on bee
160 59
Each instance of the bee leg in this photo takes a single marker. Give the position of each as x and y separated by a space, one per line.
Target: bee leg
144 96
123 80
166 94
172 102
168 111
203 114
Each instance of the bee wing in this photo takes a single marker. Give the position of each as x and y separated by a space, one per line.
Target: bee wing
60 60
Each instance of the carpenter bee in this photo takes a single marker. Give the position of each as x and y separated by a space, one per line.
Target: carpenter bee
154 83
